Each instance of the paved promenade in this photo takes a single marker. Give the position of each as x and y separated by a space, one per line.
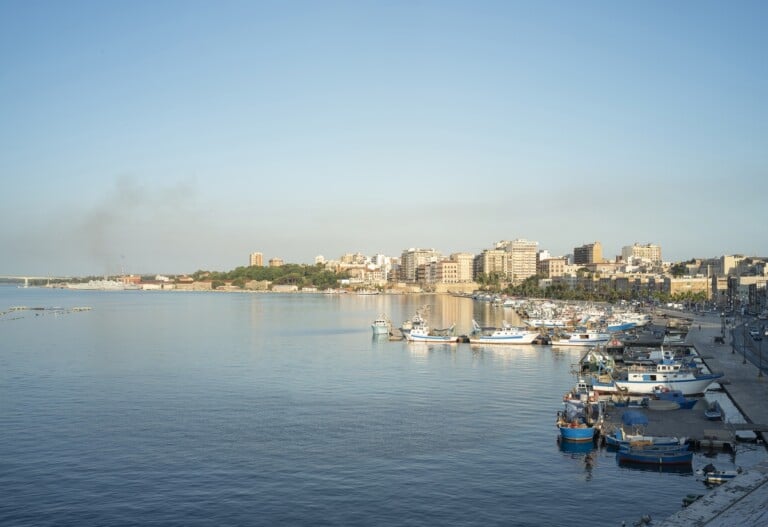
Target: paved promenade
743 500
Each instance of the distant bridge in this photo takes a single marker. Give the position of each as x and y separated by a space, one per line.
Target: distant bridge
26 279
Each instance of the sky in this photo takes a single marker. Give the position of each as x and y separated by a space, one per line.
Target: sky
173 136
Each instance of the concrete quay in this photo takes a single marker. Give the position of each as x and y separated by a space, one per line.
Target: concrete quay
741 501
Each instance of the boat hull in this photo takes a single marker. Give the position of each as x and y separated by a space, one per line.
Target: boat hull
687 386
655 456
583 340
504 339
380 330
716 478
577 434
436 339
613 441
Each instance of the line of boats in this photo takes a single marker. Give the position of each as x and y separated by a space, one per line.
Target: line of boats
417 329
607 373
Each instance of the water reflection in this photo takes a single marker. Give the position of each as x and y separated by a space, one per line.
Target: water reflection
583 451
576 447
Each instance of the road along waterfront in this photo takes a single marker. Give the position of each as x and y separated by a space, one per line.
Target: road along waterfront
742 500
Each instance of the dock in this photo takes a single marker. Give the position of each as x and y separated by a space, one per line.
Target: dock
700 433
742 500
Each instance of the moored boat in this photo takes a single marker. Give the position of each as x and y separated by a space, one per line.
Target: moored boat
618 438
420 332
712 476
589 338
507 334
643 380
382 325
574 429
714 412
655 455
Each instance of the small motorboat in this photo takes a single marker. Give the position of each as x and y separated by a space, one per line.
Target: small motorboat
714 412
712 476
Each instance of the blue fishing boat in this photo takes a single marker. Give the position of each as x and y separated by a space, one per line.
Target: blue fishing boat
655 455
574 427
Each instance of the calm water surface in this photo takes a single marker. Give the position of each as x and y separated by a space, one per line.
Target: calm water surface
257 409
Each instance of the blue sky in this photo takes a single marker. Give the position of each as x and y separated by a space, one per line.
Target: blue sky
171 136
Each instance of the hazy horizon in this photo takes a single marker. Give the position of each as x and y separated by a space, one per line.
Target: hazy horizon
178 136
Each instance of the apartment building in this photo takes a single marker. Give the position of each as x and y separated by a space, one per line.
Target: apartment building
522 259
256 259
411 259
588 254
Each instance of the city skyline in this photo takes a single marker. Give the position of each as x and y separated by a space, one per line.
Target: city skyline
181 136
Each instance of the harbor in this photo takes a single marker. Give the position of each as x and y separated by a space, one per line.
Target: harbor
742 500
729 416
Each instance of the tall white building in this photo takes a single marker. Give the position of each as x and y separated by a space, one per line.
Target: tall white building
522 259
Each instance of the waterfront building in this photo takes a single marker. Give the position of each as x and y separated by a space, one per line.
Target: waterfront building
447 272
412 258
679 286
464 263
588 254
522 259
256 259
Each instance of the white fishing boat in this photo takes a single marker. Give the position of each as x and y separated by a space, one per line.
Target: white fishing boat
420 332
382 325
588 338
547 323
507 334
644 380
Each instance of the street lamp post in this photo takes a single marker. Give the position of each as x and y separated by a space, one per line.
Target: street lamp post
760 369
744 342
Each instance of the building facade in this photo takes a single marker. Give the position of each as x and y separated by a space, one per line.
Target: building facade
256 259
588 254
641 253
492 261
551 267
464 262
522 259
411 259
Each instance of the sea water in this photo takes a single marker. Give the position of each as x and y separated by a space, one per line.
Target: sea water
182 408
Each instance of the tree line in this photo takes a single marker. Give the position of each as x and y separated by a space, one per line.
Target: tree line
289 274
